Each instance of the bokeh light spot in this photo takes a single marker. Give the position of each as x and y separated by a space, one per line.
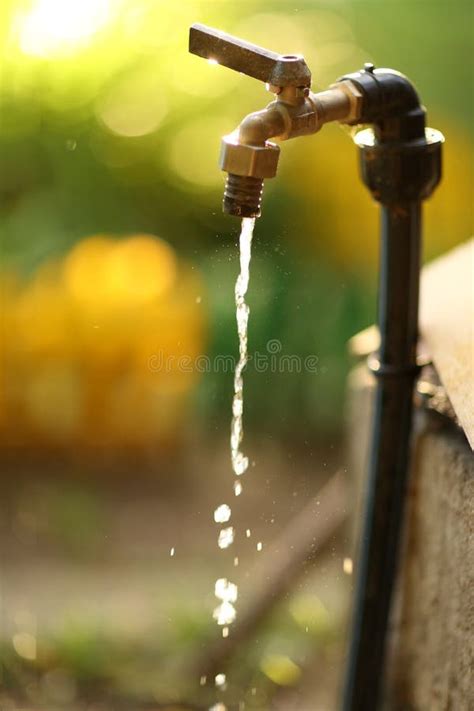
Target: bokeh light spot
85 270
102 272
24 645
310 614
280 669
194 151
134 108
141 269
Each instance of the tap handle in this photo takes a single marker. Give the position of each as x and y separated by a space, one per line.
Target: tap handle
256 62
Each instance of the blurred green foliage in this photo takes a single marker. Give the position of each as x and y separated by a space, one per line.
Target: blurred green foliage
108 126
84 659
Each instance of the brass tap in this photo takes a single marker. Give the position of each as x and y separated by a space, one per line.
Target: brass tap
248 155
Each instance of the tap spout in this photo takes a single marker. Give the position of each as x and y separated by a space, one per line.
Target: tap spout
248 157
258 127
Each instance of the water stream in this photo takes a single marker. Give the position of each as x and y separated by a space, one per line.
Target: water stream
239 461
225 591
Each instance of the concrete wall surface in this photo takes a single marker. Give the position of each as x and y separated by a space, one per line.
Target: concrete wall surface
431 661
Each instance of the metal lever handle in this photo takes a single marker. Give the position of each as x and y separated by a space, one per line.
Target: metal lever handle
256 62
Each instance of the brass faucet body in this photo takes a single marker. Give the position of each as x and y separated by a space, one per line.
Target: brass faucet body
294 112
248 155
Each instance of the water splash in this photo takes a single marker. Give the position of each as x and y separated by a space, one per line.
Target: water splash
239 461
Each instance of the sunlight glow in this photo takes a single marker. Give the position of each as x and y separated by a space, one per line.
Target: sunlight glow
55 27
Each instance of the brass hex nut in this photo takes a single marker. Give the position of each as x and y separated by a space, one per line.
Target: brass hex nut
355 98
254 161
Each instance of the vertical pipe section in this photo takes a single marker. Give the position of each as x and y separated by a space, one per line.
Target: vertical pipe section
396 372
400 255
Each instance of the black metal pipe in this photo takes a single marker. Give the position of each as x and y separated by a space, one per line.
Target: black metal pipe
400 174
396 371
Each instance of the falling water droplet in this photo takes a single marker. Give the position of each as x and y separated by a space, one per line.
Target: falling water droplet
259 546
172 552
225 590
222 514
225 613
226 537
237 488
248 533
220 681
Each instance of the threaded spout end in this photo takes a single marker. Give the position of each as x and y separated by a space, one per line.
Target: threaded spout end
243 195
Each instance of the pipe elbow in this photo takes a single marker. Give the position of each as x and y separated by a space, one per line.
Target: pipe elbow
390 102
